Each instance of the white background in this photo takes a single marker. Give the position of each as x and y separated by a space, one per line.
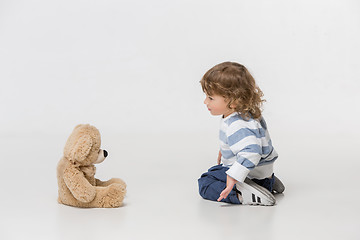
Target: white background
132 69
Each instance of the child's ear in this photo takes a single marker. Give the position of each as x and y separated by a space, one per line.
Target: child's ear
232 105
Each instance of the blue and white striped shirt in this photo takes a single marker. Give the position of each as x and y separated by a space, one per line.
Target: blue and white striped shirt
246 147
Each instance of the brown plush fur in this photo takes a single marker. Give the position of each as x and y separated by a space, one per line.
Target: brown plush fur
75 173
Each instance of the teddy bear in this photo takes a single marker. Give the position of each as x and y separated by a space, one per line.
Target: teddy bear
77 184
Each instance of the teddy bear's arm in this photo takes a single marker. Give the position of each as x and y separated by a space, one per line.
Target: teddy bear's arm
78 185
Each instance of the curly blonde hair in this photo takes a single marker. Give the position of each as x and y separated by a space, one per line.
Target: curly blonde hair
234 82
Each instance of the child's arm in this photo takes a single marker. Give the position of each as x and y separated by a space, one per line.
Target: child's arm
230 182
246 144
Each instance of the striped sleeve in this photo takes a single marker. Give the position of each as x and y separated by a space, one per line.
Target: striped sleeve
245 143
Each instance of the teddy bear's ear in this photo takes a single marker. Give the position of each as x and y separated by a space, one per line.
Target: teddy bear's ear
81 148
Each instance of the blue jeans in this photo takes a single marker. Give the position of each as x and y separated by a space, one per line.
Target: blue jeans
213 182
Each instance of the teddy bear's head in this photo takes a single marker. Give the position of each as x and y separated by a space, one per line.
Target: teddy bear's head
83 146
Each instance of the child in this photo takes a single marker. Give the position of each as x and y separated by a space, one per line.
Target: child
246 152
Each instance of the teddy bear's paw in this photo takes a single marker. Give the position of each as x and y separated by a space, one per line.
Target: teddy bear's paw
116 190
114 196
119 181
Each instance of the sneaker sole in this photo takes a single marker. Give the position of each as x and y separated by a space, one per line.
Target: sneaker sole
268 198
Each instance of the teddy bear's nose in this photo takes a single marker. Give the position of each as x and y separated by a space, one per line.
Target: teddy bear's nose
105 153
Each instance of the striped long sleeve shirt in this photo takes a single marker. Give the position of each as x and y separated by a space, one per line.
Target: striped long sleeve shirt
246 147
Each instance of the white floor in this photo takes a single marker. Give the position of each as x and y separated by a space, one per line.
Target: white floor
320 201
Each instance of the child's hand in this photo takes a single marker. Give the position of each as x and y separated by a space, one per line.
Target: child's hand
219 158
230 182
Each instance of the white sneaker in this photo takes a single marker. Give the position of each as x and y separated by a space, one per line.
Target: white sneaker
254 194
